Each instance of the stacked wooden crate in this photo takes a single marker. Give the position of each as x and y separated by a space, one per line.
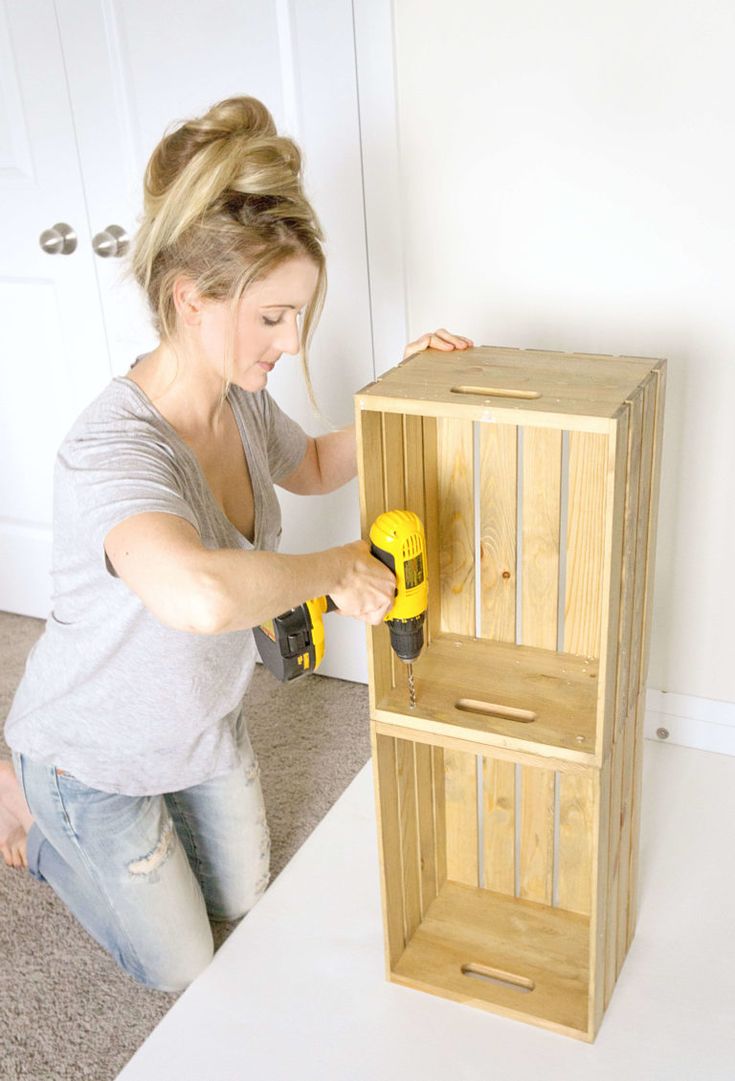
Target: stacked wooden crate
508 800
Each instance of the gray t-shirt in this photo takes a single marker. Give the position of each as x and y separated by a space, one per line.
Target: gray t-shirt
111 694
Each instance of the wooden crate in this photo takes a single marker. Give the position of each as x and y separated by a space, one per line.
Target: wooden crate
508 801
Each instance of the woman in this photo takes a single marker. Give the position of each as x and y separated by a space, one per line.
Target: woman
144 807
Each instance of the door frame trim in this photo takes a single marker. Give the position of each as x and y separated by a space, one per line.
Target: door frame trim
377 96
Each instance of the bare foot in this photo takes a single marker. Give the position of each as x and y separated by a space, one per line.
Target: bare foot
15 818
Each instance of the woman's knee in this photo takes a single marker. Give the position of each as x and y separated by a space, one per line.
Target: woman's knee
237 899
176 971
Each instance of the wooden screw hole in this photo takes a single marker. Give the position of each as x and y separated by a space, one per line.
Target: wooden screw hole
496 392
495 975
492 709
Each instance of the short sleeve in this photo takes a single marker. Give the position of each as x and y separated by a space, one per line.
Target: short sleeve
109 477
286 440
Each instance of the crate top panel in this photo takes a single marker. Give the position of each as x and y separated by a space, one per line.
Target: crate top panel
512 385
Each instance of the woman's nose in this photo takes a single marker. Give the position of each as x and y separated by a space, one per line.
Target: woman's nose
289 340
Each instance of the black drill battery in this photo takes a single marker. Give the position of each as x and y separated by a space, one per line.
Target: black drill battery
286 644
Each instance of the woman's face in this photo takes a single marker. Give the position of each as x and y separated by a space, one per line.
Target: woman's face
268 323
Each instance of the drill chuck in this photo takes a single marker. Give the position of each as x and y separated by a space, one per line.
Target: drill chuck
407 637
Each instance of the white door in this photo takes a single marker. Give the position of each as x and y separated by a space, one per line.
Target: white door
53 346
132 70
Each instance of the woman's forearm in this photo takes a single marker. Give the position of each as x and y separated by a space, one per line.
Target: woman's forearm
245 588
240 589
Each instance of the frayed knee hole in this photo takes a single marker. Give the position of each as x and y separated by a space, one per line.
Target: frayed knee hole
146 864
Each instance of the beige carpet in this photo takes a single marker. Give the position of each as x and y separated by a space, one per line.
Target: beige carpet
66 1010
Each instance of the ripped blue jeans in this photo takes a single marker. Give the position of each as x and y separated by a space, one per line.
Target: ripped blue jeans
145 874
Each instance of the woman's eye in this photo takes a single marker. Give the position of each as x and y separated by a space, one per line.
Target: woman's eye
271 322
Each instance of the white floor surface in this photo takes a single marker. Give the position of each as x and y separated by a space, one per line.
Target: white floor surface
298 991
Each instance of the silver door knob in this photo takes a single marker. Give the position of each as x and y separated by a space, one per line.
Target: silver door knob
112 243
59 240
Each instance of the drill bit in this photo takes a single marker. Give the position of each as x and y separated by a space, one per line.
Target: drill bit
411 687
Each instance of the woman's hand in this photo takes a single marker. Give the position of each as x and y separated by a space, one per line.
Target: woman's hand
367 588
439 339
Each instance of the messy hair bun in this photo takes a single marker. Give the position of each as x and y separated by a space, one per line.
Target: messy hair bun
224 205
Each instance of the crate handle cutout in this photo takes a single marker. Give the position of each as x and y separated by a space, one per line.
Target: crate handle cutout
495 975
496 392
492 709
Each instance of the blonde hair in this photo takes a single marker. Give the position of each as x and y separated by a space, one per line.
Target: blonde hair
224 206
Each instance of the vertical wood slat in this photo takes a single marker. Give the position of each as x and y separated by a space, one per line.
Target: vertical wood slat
588 462
611 596
643 540
613 868
619 722
653 419
498 503
456 525
409 836
629 566
537 834
413 458
460 803
653 513
613 748
635 814
498 799
654 406
598 925
611 468
576 836
540 518
431 525
389 841
635 537
393 470
626 833
440 824
425 800
582 617
369 435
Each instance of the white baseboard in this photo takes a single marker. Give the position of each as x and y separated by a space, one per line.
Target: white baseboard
702 723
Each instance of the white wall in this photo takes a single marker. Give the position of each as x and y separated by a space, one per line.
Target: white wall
568 182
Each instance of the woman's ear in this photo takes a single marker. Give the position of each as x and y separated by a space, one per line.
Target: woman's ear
187 302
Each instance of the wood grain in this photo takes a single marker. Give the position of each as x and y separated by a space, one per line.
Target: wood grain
540 537
498 513
585 543
409 836
499 824
460 802
537 834
456 525
576 833
389 845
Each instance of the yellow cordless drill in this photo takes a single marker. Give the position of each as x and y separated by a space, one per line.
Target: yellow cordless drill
292 644
397 540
